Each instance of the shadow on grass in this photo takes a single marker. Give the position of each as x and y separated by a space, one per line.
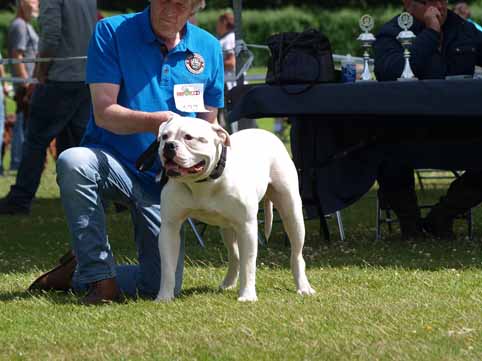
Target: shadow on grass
60 298
188 292
33 244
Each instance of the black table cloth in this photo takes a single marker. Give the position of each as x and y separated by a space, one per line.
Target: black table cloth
341 132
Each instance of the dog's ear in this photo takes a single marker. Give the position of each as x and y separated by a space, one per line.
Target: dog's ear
222 134
161 128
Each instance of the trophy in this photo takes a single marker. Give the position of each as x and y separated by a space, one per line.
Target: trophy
406 37
367 39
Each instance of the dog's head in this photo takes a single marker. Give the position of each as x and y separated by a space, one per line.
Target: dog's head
190 148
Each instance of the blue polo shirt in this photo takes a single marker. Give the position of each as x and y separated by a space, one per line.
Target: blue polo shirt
124 50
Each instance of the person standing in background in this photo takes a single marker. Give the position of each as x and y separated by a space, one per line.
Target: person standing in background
22 42
227 38
61 100
225 33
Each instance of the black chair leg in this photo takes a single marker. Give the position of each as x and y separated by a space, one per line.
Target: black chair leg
324 229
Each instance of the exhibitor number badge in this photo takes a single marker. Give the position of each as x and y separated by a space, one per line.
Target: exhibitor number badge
195 63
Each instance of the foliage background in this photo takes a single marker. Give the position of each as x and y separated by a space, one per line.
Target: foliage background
252 4
338 19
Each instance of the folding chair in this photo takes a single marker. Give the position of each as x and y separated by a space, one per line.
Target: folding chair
434 174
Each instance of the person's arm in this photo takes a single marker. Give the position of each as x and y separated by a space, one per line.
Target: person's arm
20 69
389 59
121 120
211 117
18 43
229 61
50 23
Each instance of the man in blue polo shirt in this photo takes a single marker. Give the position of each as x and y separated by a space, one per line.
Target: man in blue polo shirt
135 62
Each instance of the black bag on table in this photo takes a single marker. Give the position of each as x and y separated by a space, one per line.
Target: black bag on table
300 58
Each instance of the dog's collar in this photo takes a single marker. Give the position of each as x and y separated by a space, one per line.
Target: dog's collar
219 169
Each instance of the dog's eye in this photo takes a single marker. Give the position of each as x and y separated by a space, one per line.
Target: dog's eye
164 137
188 137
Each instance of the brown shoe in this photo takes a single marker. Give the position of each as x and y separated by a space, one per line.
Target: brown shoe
102 292
59 278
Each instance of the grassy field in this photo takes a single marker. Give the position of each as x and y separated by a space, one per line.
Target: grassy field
376 300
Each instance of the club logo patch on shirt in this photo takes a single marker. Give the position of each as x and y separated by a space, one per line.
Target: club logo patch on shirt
195 63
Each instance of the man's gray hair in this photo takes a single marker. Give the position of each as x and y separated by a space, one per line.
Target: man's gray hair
196 4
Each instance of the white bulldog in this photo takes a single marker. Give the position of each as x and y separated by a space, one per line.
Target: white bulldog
220 180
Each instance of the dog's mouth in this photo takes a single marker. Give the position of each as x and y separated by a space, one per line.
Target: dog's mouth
175 170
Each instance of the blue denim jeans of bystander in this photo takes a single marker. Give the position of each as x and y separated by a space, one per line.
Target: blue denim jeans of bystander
18 137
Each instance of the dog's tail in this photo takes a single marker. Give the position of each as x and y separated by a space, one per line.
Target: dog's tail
268 217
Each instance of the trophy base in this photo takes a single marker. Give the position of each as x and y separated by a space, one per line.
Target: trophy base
365 80
407 79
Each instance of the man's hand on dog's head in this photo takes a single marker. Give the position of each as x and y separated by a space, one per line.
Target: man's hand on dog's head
159 118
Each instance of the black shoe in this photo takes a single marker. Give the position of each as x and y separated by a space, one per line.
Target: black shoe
7 207
411 230
437 228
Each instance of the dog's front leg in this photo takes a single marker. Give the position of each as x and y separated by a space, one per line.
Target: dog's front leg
248 251
169 243
229 238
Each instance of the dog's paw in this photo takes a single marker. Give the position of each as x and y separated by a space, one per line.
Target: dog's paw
306 291
247 299
225 287
228 283
164 298
247 296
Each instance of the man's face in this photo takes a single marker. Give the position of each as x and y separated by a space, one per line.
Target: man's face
418 8
168 17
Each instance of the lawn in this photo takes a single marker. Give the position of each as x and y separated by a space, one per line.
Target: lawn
376 300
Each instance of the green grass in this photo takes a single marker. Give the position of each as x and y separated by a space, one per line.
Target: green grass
384 300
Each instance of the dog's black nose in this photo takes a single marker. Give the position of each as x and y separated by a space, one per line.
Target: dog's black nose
170 150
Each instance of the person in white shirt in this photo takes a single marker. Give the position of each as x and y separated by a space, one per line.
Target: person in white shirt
225 32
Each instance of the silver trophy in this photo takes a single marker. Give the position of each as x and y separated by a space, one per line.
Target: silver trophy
367 39
406 37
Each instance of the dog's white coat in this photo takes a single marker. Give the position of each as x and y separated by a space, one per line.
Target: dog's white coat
257 166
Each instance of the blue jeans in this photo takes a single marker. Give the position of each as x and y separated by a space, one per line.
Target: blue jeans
54 106
18 137
88 178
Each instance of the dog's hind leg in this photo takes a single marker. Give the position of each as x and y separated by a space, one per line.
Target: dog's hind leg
289 207
229 238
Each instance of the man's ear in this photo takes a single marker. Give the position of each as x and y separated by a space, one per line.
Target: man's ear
223 135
